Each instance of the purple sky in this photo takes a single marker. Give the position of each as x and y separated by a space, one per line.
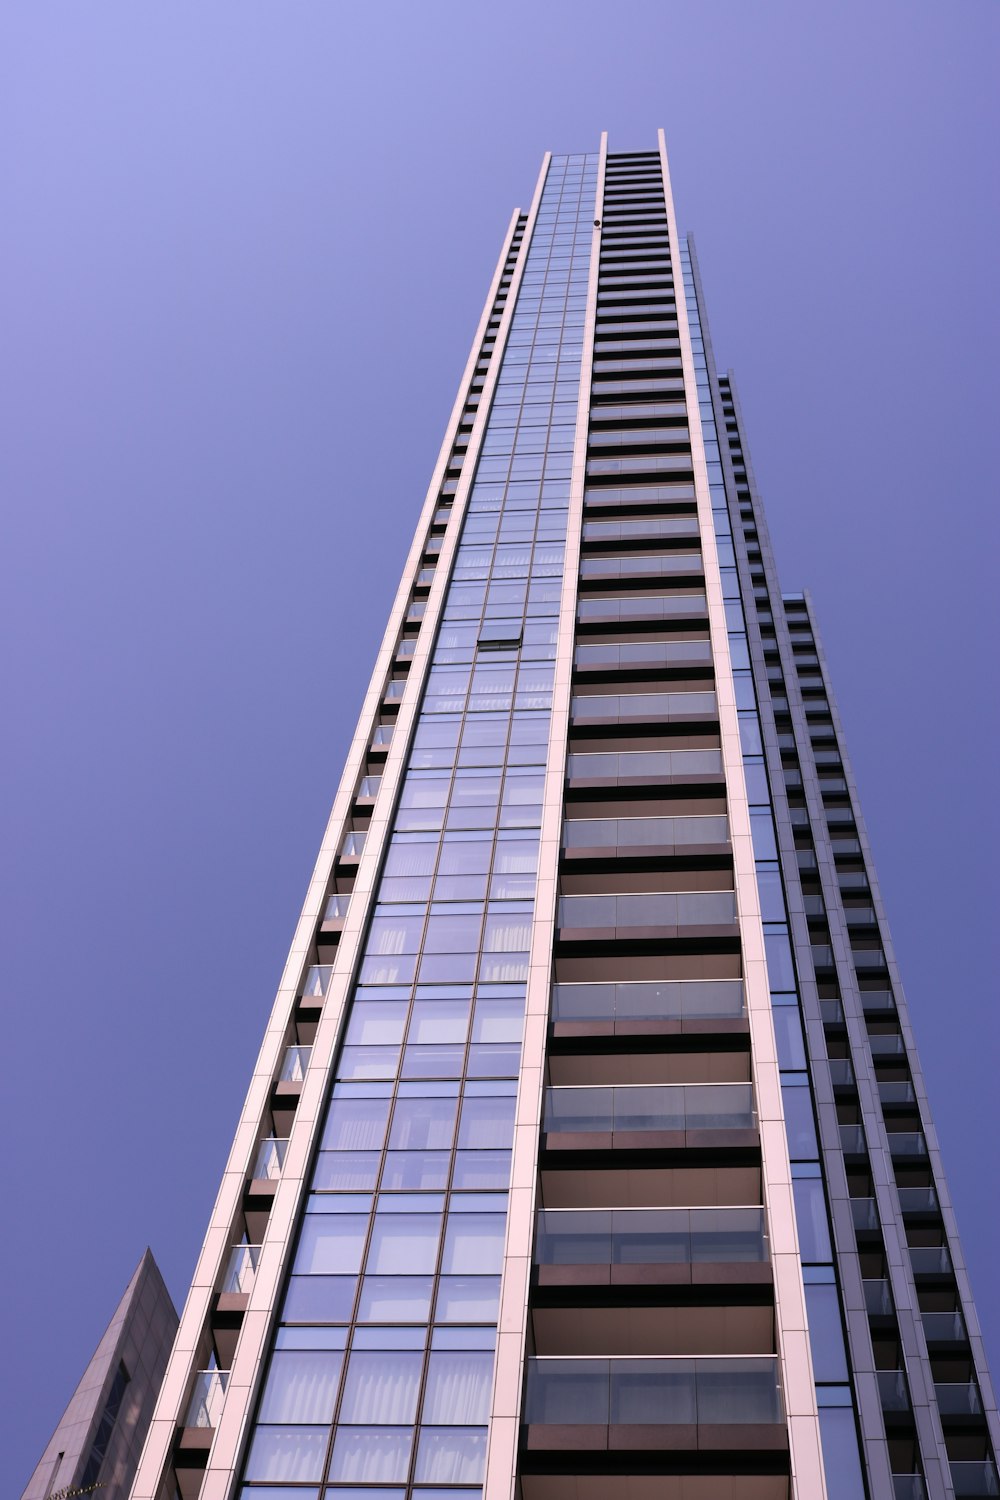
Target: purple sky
243 248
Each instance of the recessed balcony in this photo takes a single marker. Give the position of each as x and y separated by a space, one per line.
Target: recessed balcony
648 911
649 1247
270 1159
643 767
643 1005
624 838
672 1404
241 1268
649 1116
643 708
207 1397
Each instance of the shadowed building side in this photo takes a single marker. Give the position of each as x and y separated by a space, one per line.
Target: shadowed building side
97 1443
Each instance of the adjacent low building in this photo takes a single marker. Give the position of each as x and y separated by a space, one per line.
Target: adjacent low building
96 1446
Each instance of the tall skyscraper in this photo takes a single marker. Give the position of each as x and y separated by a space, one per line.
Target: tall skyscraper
587 1152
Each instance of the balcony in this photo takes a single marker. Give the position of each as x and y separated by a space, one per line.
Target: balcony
624 1237
959 1399
649 1001
619 834
891 1091
865 1215
640 1116
294 1064
596 1393
918 1200
241 1268
930 1260
270 1159
974 1478
654 914
878 1299
646 529
336 907
316 982
908 1487
875 1001
595 708
906 1143
207 1396
893 1391
841 1073
655 766
614 608
944 1327
637 655
852 1140
886 1045
641 565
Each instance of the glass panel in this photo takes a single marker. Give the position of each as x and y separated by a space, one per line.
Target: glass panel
473 1244
458 1386
301 1386
403 1243
287 1453
371 1455
330 1244
451 1455
381 1386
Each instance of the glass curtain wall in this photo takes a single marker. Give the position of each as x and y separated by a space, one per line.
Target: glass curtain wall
381 1368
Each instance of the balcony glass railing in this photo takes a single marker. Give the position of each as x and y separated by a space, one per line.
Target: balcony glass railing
887 1045
652 1106
369 785
207 1396
868 958
918 1200
892 1390
649 1236
877 1000
841 1072
623 833
930 1260
270 1158
896 1091
644 706
958 1399
649 909
943 1327
241 1268
659 765
648 1000
852 1140
317 981
653 526
294 1064
645 653
652 1392
907 1143
864 1213
336 907
908 1487
641 607
354 844
878 1299
973 1478
648 565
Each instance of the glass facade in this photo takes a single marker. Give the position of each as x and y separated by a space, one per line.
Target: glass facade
382 1366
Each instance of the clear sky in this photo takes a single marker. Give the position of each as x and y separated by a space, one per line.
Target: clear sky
243 247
